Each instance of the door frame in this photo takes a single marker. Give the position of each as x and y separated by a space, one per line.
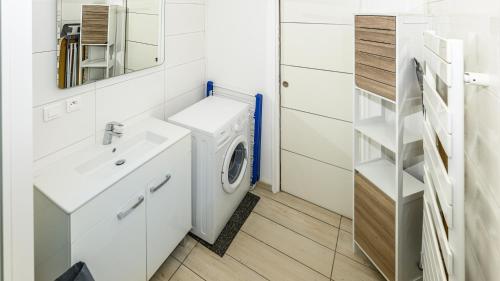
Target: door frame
275 18
17 140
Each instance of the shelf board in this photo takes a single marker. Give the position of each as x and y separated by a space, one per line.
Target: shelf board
98 63
379 130
375 95
382 173
384 132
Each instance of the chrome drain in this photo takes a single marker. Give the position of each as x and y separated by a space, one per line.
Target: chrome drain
120 162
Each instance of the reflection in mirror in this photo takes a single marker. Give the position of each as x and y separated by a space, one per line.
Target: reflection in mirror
100 39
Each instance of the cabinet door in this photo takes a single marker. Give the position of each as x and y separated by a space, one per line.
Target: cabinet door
169 205
114 249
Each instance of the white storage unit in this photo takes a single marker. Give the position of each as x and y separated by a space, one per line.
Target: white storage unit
127 231
443 250
388 183
99 48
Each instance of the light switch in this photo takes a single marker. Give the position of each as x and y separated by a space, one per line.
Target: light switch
73 104
52 112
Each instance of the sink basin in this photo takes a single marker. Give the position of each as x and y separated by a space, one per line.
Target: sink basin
117 156
75 179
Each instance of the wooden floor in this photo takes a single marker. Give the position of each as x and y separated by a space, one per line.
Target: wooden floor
284 239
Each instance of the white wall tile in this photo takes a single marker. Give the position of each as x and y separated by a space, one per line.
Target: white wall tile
124 100
184 18
184 48
184 78
68 129
176 105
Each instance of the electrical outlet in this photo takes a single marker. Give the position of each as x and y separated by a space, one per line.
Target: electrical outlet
52 112
73 104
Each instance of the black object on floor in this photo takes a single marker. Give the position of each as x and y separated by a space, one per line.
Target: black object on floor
233 226
78 272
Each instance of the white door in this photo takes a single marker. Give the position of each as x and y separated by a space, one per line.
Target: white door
316 101
115 249
235 165
169 206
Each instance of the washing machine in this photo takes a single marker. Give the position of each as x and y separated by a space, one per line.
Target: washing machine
221 164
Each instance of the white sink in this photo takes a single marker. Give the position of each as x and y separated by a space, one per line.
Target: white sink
76 179
121 155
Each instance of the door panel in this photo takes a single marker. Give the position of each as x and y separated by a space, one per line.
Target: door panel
324 139
327 47
321 92
325 185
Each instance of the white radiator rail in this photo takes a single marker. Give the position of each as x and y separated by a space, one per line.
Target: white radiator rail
443 253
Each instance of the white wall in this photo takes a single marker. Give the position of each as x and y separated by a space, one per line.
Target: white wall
241 56
160 91
16 153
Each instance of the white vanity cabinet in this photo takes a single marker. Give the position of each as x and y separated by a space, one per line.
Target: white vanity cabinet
127 231
168 218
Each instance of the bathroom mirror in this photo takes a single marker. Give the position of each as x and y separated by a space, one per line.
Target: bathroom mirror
100 39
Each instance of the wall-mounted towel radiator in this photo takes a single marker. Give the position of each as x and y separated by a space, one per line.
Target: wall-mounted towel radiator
443 249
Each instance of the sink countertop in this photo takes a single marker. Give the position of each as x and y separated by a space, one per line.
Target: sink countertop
70 190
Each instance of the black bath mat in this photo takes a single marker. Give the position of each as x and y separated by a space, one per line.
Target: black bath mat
233 225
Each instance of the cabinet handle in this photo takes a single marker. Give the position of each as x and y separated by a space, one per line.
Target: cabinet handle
286 84
156 188
124 214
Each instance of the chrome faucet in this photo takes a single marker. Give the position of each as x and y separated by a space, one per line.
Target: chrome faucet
113 129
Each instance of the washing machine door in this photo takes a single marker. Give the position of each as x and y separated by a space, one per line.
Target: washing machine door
235 164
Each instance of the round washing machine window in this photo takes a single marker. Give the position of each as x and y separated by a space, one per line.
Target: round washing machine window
235 164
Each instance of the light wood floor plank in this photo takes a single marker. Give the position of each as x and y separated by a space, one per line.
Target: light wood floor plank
185 274
302 249
214 268
166 270
345 247
346 224
184 248
345 269
303 224
301 205
269 262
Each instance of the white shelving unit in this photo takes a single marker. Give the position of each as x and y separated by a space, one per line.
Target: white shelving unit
98 59
388 153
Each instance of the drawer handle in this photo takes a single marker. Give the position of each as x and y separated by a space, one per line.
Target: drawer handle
124 214
158 187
